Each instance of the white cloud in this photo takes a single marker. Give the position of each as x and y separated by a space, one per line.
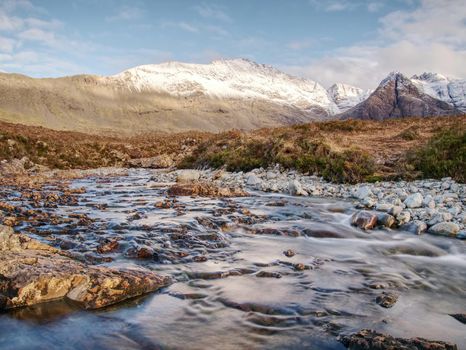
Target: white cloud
213 11
126 13
431 37
7 45
188 27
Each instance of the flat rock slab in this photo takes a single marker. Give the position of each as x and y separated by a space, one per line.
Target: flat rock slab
33 273
204 189
367 339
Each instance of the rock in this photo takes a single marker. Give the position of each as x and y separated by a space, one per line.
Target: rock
414 200
403 218
368 202
386 299
428 202
367 339
396 210
445 229
253 180
386 220
296 188
385 207
417 227
188 176
268 274
364 220
204 189
363 192
33 273
289 253
459 317
108 247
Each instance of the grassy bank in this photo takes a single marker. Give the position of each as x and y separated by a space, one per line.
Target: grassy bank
340 151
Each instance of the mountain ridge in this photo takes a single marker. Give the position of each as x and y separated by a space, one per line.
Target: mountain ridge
176 96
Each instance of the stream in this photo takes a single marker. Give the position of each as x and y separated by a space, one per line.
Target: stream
233 285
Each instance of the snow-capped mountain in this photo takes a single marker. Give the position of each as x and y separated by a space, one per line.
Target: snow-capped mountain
450 90
221 95
397 96
346 96
236 78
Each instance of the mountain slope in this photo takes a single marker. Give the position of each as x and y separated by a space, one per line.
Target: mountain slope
397 96
166 97
347 96
450 90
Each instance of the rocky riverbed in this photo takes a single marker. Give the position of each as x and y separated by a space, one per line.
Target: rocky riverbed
266 259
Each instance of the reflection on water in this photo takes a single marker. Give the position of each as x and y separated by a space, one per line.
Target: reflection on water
234 287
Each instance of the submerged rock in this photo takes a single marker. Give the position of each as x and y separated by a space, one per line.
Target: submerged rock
386 299
33 273
367 339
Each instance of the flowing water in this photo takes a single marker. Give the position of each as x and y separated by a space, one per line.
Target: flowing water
233 286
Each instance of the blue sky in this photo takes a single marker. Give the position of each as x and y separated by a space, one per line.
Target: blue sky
352 41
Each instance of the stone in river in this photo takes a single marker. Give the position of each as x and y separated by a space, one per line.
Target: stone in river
386 299
367 339
364 220
444 229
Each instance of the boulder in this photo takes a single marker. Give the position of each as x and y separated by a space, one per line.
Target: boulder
386 220
364 220
445 229
414 200
33 273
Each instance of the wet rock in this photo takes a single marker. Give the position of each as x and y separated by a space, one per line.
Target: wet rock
289 253
268 274
460 317
414 200
367 339
108 247
385 220
386 299
204 189
33 272
188 176
417 227
364 220
445 229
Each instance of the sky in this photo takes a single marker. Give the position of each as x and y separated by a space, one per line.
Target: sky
357 42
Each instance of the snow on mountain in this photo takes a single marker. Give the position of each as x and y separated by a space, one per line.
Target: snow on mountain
450 90
347 96
236 78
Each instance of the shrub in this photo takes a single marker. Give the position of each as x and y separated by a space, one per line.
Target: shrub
444 155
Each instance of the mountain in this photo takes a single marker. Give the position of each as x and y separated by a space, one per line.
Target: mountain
347 96
168 97
450 90
221 95
398 96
